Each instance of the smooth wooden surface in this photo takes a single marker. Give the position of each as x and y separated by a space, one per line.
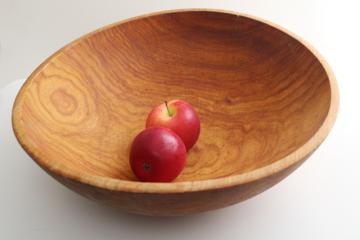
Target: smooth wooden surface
265 100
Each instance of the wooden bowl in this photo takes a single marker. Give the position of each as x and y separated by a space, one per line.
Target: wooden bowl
266 101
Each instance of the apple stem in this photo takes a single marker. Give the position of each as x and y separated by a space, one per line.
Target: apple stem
167 107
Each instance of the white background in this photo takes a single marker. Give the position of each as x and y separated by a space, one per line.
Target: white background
320 200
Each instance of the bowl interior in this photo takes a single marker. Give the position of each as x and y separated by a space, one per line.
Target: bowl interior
260 94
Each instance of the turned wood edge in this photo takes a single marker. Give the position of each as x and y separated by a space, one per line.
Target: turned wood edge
187 186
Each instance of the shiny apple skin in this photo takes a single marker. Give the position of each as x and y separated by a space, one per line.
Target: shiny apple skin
157 155
183 120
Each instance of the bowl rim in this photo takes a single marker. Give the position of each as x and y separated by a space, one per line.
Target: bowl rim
186 186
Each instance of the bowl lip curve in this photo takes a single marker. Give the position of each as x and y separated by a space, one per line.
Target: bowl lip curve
186 186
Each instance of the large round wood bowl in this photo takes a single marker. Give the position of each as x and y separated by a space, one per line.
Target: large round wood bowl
266 101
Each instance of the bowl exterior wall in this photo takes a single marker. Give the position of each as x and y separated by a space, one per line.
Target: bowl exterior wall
176 204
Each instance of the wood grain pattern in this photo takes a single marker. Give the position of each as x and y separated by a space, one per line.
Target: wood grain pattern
266 100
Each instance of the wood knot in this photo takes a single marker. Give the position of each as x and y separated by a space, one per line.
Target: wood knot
64 102
228 100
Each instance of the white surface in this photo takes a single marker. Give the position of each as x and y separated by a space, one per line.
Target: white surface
318 201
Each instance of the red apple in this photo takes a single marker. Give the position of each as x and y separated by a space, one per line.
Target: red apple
157 155
180 117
